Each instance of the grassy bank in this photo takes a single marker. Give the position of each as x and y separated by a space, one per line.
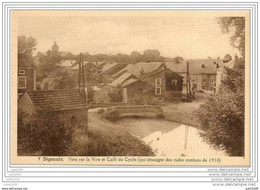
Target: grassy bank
105 138
182 112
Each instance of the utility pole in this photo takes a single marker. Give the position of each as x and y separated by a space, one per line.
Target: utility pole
188 85
81 82
187 81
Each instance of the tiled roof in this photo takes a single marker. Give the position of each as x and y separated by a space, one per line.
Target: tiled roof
129 82
195 66
122 71
56 100
121 79
111 68
146 67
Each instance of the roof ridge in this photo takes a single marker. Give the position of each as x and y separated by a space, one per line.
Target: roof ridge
58 90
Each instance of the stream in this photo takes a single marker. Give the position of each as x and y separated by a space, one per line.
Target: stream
170 138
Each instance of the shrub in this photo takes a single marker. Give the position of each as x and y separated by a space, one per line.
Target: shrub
115 96
112 115
101 111
43 133
160 116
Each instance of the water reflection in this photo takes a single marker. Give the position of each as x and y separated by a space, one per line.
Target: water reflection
170 138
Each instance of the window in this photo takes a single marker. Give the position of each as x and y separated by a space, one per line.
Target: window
158 90
212 80
21 72
22 82
174 81
158 81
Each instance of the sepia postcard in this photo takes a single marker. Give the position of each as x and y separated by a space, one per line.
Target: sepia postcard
147 88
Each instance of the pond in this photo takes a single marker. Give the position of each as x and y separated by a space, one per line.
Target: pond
170 138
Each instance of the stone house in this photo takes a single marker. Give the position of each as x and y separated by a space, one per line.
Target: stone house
68 104
202 72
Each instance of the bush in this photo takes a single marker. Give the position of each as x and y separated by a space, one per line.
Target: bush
42 133
222 123
222 116
160 116
101 111
112 115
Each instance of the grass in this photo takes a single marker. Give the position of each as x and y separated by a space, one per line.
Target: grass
183 112
105 138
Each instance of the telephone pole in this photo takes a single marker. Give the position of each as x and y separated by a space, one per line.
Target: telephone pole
188 86
81 79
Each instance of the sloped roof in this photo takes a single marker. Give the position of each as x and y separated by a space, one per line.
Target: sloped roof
121 79
58 100
122 71
129 81
195 66
67 63
146 67
108 66
158 70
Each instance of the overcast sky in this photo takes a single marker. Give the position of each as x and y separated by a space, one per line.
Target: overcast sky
186 36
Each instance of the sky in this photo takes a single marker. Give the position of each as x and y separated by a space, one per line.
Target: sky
173 35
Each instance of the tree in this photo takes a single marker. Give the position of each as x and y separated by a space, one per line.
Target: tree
151 55
48 63
178 59
238 35
136 57
59 79
26 46
222 115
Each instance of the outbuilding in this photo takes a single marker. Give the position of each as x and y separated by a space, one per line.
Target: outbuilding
68 104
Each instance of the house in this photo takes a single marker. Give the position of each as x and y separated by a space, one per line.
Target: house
149 81
202 72
26 76
68 104
205 74
134 90
167 84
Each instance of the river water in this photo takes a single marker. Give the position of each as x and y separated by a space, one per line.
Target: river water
169 138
